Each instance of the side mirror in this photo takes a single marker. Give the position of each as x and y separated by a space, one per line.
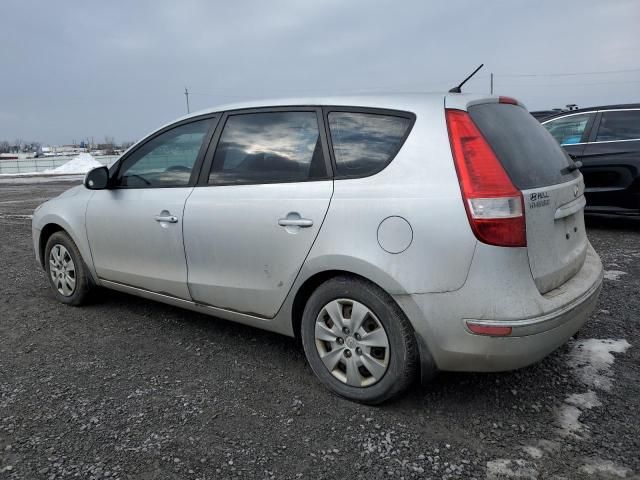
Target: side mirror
97 179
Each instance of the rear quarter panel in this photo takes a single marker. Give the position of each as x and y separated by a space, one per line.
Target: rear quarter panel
421 186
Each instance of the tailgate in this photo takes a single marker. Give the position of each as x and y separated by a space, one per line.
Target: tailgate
553 195
556 236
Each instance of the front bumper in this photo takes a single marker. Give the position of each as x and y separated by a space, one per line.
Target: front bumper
540 324
35 239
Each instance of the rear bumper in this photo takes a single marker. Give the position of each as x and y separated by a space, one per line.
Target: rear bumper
540 323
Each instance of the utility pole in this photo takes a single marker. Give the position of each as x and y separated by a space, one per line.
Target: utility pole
186 94
491 83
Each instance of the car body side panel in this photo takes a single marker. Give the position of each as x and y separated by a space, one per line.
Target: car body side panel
129 244
238 255
421 186
612 174
68 211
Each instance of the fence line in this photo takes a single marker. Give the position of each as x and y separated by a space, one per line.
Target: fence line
40 164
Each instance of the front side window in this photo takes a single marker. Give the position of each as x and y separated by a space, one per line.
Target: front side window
619 125
364 143
568 130
165 161
269 147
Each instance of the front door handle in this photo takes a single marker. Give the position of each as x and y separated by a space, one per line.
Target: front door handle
164 217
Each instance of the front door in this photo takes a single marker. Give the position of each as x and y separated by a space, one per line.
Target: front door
135 227
251 223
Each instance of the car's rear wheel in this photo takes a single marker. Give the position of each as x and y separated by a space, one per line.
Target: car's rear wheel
67 273
358 341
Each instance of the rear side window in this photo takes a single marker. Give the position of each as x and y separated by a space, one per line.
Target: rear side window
364 143
569 130
619 125
269 147
530 155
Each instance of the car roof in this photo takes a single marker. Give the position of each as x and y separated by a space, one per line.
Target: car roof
411 102
391 101
590 109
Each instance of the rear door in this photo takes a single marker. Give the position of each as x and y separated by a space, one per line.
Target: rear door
553 193
258 208
611 160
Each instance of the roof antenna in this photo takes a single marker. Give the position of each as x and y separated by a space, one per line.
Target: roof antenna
458 89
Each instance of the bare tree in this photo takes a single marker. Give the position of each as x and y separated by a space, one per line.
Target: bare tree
17 145
5 146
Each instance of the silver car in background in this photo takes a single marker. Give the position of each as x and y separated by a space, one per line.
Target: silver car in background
395 235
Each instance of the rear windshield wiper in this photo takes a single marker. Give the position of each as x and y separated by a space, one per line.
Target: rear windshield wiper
573 166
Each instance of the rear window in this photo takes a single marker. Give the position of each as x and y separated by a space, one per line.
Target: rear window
619 125
365 143
530 155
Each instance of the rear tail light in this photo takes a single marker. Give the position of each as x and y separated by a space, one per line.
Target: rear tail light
494 205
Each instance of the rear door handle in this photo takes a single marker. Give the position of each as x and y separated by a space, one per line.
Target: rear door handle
295 222
166 218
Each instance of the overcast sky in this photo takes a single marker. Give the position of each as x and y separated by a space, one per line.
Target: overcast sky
80 69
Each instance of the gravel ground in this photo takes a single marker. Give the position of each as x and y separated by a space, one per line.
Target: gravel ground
131 389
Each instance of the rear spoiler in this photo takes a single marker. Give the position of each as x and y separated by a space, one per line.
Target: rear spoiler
462 102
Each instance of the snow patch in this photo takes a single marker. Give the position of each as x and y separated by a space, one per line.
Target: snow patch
568 417
591 360
586 400
77 165
597 465
549 446
507 468
533 452
613 274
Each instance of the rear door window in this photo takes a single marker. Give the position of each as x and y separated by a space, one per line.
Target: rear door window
530 156
619 125
365 143
569 130
269 147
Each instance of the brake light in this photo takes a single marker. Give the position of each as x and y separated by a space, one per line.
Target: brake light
509 100
494 205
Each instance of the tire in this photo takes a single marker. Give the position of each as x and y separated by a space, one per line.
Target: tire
345 298
66 263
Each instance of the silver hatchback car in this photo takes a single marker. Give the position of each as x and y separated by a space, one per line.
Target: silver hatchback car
395 235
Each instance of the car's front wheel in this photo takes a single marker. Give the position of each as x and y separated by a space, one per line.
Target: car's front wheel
67 273
358 341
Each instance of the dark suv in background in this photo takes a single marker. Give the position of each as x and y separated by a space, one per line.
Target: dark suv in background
607 142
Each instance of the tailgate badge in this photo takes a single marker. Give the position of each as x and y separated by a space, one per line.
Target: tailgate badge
576 190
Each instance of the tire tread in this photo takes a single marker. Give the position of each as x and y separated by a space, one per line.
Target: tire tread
352 287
